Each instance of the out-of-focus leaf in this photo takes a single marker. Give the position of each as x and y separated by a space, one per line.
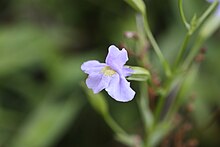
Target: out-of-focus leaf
8 121
188 83
160 131
24 45
65 72
97 101
8 118
47 124
210 26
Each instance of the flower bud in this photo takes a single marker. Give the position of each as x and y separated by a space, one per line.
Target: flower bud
139 74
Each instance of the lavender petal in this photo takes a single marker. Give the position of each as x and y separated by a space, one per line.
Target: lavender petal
120 89
97 82
116 58
92 66
127 71
218 11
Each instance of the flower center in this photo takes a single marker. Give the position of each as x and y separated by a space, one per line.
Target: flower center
107 71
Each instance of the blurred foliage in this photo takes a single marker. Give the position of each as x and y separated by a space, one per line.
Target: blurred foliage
42 46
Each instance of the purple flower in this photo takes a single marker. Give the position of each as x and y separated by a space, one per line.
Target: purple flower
110 75
218 9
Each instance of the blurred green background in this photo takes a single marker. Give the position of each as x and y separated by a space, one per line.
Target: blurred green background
42 46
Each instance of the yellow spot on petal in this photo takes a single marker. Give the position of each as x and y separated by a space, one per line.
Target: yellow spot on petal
107 71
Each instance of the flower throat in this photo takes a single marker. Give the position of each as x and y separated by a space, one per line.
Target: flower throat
107 71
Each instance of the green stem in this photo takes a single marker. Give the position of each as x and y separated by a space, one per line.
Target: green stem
115 127
146 114
199 40
182 51
159 108
141 32
121 135
210 9
180 4
143 104
156 47
159 115
174 107
162 99
193 52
